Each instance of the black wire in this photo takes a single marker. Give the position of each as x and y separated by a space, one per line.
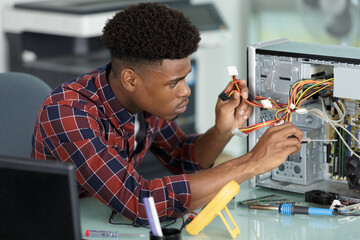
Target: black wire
134 224
113 214
175 209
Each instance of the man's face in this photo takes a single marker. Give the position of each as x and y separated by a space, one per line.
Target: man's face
163 90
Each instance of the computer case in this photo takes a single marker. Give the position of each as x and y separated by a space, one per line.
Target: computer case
273 67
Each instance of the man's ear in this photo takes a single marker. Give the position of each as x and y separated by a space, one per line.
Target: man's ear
129 79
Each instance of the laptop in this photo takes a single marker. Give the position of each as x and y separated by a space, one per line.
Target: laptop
38 200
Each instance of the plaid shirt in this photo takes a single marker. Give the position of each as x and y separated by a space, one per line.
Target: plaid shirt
83 123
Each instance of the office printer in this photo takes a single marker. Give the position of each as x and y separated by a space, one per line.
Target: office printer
59 40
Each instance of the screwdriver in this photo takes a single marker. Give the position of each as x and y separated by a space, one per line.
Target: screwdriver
291 209
308 140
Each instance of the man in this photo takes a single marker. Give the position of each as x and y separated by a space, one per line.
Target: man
105 121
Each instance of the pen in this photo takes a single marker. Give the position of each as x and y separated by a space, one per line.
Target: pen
149 216
110 234
155 217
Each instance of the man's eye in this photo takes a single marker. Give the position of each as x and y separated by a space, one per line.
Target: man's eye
174 84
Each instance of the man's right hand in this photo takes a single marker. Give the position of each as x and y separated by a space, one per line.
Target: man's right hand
272 149
274 146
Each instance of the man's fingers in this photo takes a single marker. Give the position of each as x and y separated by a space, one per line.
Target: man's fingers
288 145
244 108
234 100
229 86
287 138
243 89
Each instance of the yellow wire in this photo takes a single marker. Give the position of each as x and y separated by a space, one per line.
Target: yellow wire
298 98
308 89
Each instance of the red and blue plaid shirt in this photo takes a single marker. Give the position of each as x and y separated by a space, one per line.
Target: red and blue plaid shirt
83 123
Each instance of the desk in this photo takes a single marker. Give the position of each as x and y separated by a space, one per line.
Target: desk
253 224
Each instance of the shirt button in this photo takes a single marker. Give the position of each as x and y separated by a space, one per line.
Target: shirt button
130 134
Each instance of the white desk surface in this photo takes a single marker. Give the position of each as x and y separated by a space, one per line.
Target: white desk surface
253 224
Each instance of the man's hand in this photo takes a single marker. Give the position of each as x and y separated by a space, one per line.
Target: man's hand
274 146
234 112
272 149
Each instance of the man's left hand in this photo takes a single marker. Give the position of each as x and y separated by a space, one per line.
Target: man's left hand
234 112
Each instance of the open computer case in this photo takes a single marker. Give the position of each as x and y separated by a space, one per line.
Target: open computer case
274 67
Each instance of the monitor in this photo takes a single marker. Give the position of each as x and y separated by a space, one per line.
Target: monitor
38 200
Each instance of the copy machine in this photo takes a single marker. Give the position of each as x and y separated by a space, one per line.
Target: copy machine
58 40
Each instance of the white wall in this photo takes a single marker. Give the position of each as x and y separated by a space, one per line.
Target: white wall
213 63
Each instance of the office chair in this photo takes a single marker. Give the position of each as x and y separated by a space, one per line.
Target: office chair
21 96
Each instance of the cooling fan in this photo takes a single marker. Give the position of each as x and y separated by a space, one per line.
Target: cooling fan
352 170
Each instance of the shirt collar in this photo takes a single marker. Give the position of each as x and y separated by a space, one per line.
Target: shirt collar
107 96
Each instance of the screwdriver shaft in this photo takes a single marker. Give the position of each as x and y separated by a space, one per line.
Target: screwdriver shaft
308 140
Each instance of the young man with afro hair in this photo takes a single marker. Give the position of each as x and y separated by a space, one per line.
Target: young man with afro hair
105 121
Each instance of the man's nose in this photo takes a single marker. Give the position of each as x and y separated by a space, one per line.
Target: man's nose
185 89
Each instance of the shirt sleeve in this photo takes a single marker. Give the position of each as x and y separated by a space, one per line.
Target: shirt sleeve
72 132
175 149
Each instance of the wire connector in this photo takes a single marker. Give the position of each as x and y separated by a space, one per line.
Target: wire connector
232 71
266 103
292 106
223 96
279 123
239 133
301 111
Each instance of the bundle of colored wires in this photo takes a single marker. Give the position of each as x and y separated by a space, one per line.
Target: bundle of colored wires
299 92
256 102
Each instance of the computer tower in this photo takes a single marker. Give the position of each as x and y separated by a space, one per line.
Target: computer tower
274 67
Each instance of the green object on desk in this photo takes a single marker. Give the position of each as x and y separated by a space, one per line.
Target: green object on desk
257 200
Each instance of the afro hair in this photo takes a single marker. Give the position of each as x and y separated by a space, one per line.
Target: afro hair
150 32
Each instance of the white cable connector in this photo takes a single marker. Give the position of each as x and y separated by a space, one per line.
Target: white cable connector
232 71
301 111
266 103
239 133
279 123
292 106
335 203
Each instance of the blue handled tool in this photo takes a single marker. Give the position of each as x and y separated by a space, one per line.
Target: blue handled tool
291 209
